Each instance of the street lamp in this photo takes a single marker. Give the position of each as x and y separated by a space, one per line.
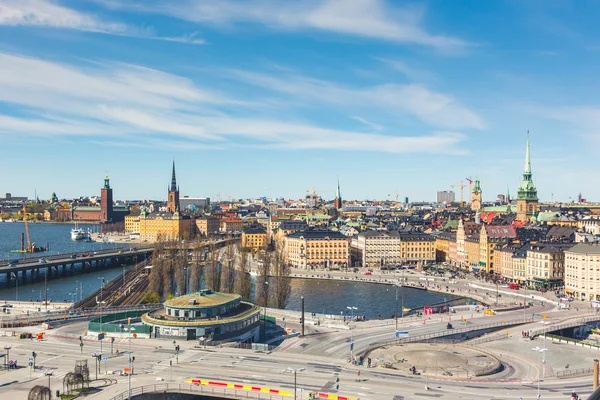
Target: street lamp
100 307
294 371
539 351
351 332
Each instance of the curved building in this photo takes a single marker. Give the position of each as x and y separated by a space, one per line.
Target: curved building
218 317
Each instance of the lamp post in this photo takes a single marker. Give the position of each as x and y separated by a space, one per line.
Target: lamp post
46 287
351 332
539 351
294 371
100 306
49 374
266 288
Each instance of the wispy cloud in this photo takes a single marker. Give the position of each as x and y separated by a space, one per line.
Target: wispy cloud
368 123
367 18
437 109
122 103
411 73
50 14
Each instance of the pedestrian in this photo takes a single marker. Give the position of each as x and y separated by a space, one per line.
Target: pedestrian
369 362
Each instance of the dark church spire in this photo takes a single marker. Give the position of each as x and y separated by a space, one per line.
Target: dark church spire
173 179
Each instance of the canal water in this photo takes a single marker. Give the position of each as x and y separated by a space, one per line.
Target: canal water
320 296
56 236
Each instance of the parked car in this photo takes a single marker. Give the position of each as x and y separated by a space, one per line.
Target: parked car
513 286
368 273
42 260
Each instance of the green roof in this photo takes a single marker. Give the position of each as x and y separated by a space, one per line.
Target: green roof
500 209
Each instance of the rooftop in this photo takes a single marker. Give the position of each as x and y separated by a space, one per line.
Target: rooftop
204 298
585 248
317 235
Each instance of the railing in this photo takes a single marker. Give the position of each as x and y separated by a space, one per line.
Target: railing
487 339
95 326
35 319
577 321
206 390
449 332
66 256
574 372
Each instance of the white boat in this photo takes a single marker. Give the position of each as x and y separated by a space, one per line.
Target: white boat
9 220
77 233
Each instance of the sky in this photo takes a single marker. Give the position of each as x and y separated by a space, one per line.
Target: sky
274 98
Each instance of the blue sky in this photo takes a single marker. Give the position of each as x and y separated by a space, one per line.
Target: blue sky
271 98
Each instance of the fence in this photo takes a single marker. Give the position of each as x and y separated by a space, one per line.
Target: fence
449 332
574 372
106 326
578 321
183 388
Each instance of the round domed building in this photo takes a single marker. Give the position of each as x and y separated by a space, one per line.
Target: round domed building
217 317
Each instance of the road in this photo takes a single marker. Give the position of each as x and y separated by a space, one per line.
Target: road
152 359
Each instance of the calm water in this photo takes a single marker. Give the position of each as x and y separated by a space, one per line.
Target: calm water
321 296
57 236
371 299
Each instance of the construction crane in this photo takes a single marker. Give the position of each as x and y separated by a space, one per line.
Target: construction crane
470 190
397 199
29 247
462 186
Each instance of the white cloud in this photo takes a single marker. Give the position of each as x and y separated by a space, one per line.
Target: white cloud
437 109
366 18
50 14
127 104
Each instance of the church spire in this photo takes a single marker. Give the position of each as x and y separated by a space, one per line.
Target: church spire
173 179
527 169
338 193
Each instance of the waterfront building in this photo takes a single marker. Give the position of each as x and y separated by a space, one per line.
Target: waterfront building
466 230
132 224
489 237
337 203
582 271
216 317
317 249
473 253
476 196
545 265
254 238
165 226
416 247
207 226
106 213
446 196
377 248
173 196
527 200
442 246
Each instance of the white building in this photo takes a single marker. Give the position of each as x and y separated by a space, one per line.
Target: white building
377 248
582 271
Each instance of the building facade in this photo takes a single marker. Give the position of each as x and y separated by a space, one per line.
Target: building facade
254 238
545 265
377 248
417 248
445 196
165 227
582 271
207 226
317 249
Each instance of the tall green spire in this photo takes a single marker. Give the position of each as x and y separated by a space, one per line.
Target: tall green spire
527 190
477 186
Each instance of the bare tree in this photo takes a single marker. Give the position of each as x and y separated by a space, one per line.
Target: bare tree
195 268
262 282
155 278
243 281
228 270
282 283
211 269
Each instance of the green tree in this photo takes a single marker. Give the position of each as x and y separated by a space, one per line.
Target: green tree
150 297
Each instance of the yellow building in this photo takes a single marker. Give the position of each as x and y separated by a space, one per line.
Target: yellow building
132 224
287 227
254 238
417 247
442 247
582 271
317 249
472 251
489 237
167 227
207 226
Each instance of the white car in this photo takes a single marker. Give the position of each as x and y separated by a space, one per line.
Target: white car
506 285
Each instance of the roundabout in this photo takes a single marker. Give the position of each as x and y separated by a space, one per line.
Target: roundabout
436 360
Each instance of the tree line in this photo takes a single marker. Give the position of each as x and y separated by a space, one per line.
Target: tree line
178 269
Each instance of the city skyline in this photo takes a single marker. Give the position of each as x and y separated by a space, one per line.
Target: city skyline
252 102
